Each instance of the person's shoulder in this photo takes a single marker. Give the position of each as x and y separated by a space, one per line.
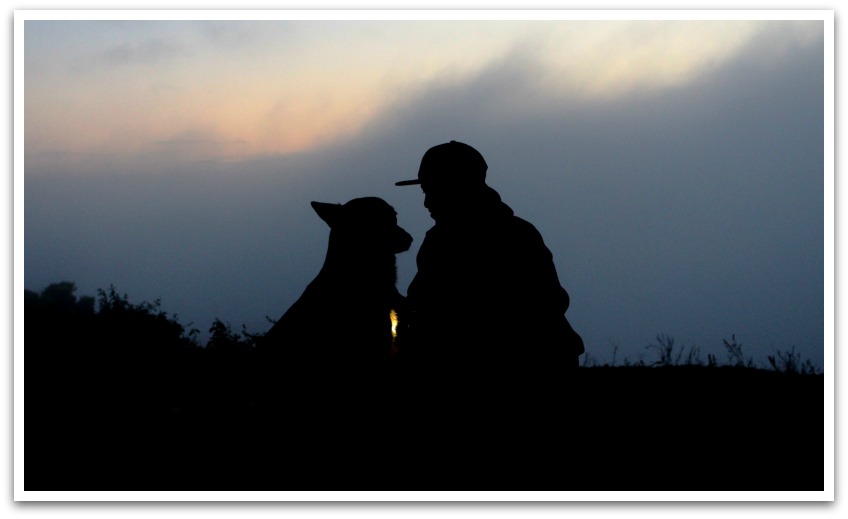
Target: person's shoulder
527 238
522 223
524 228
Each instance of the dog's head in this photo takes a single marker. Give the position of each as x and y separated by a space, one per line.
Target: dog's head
368 223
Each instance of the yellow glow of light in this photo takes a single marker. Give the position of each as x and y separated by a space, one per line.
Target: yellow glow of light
393 316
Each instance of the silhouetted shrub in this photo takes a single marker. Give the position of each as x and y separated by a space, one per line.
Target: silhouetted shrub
229 366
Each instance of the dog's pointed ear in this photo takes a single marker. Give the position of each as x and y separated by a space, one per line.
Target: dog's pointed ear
330 213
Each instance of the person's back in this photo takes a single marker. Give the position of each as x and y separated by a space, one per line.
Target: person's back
486 291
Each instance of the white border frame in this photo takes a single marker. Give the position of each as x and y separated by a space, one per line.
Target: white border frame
826 16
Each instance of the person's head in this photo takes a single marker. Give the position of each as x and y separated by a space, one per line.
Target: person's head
453 178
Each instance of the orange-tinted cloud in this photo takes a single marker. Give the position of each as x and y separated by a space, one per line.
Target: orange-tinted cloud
219 90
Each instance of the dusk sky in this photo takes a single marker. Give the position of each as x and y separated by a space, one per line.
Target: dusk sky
674 168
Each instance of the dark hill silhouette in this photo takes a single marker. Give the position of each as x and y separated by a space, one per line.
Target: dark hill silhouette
122 397
701 428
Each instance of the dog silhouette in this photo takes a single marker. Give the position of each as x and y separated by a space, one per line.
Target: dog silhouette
324 364
342 319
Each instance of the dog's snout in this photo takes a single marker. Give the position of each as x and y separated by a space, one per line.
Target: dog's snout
403 240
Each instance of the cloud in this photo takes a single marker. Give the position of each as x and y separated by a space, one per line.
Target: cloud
141 53
289 87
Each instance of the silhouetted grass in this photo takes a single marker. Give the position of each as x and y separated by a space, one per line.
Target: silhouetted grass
668 355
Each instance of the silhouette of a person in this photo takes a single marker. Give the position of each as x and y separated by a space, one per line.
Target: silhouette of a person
488 351
486 295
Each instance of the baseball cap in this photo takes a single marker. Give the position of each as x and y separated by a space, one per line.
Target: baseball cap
451 162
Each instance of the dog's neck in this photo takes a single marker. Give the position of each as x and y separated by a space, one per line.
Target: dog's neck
351 265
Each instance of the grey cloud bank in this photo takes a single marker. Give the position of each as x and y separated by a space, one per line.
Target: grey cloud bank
695 212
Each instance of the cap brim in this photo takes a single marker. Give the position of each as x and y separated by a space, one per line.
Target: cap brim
408 182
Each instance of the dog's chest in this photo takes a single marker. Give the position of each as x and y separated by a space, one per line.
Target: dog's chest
349 306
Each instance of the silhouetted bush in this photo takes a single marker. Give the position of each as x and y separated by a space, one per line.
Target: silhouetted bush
230 370
123 356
